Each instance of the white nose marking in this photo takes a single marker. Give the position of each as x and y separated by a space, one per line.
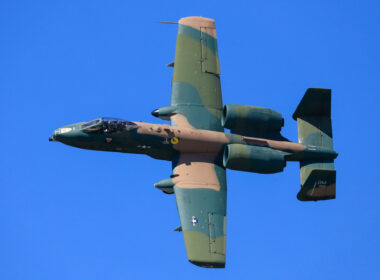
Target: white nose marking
65 129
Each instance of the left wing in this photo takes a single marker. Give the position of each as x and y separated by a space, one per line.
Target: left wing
200 190
196 94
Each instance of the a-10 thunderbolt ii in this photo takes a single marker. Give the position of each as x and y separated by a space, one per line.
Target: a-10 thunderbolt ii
200 150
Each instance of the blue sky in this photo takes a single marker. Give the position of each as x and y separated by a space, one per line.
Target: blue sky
67 213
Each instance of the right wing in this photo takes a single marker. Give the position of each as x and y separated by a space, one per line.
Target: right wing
199 179
196 92
200 189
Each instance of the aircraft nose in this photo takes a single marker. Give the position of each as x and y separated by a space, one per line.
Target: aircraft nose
52 138
62 134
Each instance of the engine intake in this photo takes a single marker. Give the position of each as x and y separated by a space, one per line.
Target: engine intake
250 120
253 159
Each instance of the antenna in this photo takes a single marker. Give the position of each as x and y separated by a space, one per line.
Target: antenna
169 22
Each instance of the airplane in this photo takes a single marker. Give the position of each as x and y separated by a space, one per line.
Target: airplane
200 150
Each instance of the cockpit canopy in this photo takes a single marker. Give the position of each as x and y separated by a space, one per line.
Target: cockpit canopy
108 125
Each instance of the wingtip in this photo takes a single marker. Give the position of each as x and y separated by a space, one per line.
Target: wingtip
196 19
206 25
208 264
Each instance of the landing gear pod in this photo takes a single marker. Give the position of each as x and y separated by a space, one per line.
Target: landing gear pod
165 185
164 113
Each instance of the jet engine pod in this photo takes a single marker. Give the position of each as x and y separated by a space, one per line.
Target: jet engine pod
250 120
253 159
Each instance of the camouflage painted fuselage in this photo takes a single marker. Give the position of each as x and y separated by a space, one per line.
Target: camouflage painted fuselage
164 142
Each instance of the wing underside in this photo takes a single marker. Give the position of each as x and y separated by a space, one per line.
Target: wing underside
200 190
196 92
199 179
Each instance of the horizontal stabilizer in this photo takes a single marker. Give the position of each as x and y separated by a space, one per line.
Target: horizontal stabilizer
317 184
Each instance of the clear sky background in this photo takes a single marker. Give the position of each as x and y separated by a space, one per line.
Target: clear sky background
67 213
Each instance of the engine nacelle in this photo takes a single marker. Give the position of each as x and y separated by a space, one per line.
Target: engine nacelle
250 120
253 159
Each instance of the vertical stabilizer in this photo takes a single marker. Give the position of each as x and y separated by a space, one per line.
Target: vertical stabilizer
313 116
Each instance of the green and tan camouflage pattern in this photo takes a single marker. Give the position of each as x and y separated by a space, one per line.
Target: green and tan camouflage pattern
313 116
200 150
199 178
200 182
196 92
156 140
249 120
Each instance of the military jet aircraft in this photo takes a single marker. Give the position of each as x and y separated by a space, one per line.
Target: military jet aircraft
200 150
